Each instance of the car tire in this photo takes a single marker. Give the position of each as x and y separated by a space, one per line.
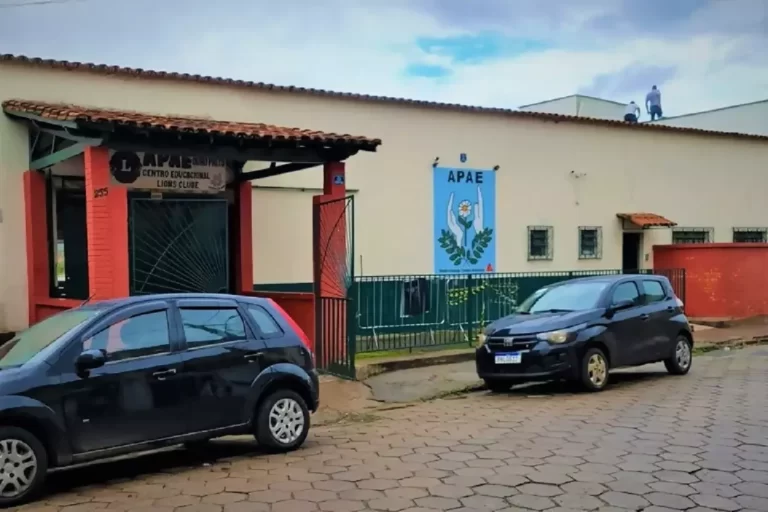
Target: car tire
681 361
594 370
282 421
497 385
29 459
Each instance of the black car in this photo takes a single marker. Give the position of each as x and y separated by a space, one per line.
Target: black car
580 329
114 377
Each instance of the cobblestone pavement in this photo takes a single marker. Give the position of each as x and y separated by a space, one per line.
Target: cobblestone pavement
651 442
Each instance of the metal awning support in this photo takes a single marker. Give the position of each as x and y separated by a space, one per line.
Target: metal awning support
57 156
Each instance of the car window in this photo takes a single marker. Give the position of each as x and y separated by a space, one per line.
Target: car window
626 291
264 321
653 291
27 343
138 336
576 296
211 326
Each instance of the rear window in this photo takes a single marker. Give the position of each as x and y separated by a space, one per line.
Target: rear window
264 321
653 291
211 326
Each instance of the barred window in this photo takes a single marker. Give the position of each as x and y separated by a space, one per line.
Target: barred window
540 241
692 235
590 242
750 235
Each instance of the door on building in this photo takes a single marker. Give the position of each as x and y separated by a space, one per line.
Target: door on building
178 245
631 244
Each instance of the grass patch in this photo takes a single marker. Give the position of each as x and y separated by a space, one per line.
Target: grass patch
405 352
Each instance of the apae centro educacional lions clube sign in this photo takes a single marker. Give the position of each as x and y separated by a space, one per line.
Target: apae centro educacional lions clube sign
169 173
464 220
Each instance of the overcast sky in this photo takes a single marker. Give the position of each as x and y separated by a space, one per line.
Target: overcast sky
701 53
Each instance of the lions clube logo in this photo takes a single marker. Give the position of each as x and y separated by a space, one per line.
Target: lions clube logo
168 172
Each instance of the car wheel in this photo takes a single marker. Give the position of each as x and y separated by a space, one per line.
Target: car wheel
282 421
497 386
23 466
594 370
680 362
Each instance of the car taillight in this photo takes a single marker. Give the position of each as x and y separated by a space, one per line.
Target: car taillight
298 330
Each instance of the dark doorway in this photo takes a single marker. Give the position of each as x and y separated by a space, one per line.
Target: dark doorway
630 258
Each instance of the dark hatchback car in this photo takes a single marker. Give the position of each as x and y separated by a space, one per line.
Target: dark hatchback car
122 376
578 330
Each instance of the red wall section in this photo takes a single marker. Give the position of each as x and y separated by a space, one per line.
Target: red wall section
722 280
106 214
243 238
300 306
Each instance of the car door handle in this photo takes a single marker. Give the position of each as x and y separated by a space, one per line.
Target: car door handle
162 375
252 358
645 316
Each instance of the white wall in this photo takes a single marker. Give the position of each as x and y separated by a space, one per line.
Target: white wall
751 118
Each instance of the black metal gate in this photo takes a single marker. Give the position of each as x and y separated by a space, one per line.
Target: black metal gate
178 245
334 242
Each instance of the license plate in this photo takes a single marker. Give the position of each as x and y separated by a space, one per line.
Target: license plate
513 358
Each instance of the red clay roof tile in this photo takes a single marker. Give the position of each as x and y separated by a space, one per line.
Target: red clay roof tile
646 220
186 77
56 112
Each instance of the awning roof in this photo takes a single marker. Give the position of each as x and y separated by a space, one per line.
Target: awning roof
646 220
78 117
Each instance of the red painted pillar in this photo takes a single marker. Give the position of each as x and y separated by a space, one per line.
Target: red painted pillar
330 264
36 219
106 214
244 234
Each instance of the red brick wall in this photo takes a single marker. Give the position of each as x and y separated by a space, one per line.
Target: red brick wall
106 214
243 256
722 280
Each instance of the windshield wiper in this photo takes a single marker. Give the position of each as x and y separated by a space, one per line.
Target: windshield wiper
86 301
554 311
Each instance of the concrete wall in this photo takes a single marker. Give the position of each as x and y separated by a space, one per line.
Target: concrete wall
750 118
619 169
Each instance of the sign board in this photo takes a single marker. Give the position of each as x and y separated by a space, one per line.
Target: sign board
464 220
169 173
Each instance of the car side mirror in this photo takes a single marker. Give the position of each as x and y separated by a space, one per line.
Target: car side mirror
620 305
90 360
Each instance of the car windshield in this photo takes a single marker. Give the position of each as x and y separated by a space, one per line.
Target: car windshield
23 347
567 297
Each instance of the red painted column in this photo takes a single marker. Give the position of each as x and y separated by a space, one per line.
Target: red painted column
106 214
36 219
244 244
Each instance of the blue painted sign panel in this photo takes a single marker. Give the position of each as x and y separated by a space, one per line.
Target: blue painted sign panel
464 220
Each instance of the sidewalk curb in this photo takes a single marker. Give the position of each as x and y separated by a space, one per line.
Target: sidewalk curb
371 370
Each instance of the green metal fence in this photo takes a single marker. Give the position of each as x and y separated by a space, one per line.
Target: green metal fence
423 311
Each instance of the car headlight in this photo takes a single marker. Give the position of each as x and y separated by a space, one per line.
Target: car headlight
481 339
561 335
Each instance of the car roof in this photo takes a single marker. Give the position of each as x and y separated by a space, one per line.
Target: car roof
609 278
138 299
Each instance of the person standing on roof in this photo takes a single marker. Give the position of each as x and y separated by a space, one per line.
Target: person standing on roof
631 112
653 103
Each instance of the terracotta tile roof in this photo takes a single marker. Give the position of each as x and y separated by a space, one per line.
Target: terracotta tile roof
186 77
646 220
256 131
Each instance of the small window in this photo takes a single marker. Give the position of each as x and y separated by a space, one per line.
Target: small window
750 235
264 321
692 235
590 242
626 291
540 242
203 327
653 291
138 336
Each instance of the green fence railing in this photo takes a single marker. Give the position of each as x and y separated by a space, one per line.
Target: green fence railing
429 310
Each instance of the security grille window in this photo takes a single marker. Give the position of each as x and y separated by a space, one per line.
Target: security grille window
590 242
750 235
692 235
540 242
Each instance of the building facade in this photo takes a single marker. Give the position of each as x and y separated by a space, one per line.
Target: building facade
494 190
